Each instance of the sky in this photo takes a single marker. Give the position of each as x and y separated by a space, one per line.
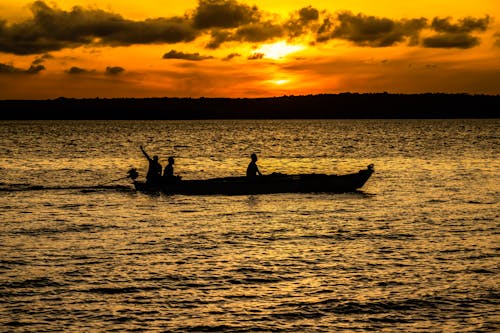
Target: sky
240 48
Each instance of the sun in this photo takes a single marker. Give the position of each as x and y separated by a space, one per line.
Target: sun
278 50
280 82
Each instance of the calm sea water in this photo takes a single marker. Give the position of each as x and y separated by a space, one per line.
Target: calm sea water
417 250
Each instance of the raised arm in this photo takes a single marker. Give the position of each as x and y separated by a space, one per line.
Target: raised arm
145 154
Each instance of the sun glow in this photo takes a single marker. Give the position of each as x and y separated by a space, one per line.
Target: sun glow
278 50
196 48
280 82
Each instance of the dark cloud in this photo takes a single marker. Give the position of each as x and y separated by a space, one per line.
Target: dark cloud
223 14
464 25
379 32
451 40
307 14
218 37
456 35
257 29
35 69
40 60
10 69
172 54
231 56
253 33
53 29
114 70
256 56
78 70
258 32
324 31
301 22
159 30
497 39
372 31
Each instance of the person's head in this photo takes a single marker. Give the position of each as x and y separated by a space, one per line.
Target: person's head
171 160
253 157
155 157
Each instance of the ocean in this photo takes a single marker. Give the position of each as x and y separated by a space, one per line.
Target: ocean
415 250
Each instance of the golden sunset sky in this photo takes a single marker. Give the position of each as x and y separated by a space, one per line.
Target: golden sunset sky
251 48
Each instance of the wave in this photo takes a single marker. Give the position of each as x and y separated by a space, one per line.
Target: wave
83 188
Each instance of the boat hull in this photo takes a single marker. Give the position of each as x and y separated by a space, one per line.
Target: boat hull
274 183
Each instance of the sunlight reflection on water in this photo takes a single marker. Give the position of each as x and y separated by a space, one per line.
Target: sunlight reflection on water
416 250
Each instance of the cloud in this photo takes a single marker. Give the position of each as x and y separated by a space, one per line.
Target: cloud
172 54
253 33
218 37
114 70
223 14
35 69
451 40
10 69
301 22
256 56
53 29
456 35
324 30
231 56
40 60
371 31
309 13
78 70
258 32
464 25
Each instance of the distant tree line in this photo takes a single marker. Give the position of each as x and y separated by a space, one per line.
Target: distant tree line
323 106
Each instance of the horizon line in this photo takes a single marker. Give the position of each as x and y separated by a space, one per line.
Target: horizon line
263 97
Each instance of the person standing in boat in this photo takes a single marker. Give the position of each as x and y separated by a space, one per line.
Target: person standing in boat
154 170
253 169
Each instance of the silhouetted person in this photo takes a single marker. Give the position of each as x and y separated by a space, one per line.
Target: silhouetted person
154 169
168 173
253 169
169 169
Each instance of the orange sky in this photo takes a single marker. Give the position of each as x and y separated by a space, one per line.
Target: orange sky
229 48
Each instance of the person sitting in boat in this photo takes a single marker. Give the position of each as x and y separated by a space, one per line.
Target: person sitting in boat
168 172
253 169
154 169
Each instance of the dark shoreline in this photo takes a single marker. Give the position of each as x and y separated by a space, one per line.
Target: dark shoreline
324 106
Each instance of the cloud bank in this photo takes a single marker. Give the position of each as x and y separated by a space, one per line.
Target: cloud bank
224 14
456 35
11 69
52 29
114 70
172 54
77 70
372 31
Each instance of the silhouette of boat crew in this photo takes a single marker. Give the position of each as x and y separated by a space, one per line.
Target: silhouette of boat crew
168 172
154 170
252 169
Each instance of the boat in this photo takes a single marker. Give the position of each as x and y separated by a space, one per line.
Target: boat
267 184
